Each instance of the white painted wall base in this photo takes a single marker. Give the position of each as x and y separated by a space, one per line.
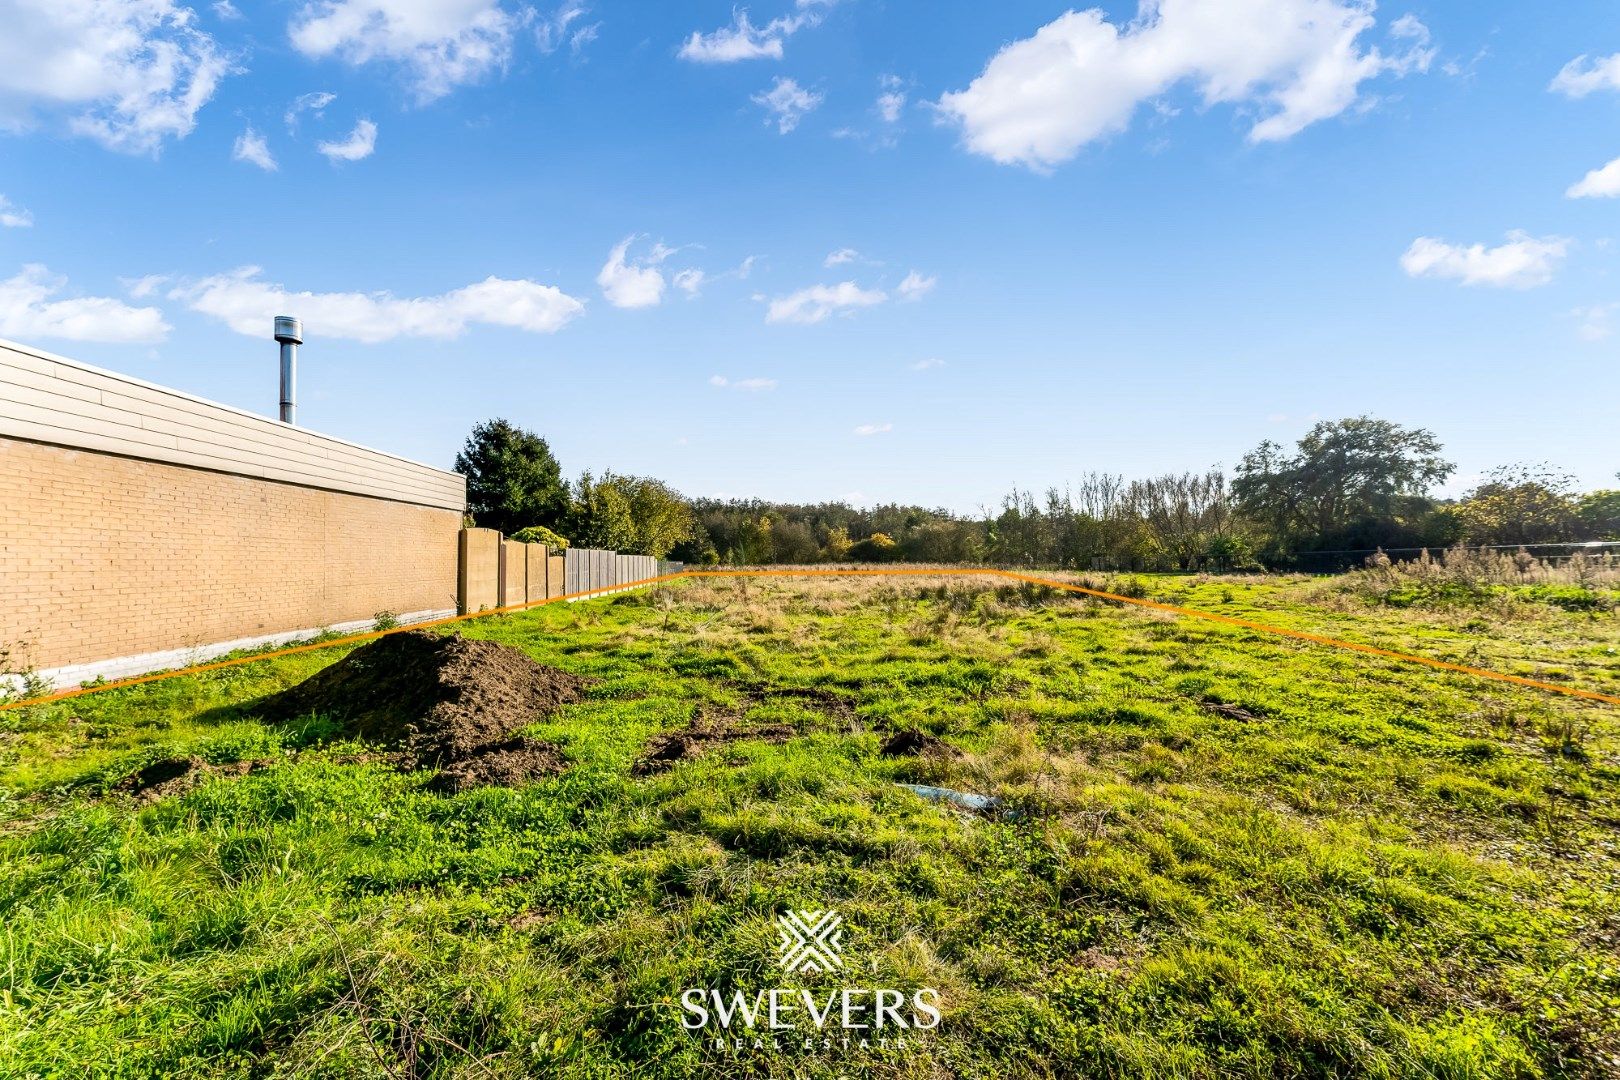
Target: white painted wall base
125 667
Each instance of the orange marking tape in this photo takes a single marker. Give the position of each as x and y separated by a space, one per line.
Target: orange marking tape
1192 613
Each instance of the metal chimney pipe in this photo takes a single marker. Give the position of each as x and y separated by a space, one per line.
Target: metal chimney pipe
290 334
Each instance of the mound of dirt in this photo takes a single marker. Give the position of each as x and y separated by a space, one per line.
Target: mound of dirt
441 700
917 744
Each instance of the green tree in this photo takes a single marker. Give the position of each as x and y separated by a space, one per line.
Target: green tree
1348 482
660 517
600 516
512 478
1599 513
632 515
1521 504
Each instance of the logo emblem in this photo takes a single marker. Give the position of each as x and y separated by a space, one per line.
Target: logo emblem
811 940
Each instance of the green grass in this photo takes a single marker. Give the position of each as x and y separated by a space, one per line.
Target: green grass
1227 854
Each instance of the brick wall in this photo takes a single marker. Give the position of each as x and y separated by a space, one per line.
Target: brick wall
103 556
140 524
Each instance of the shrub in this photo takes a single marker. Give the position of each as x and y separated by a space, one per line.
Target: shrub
1466 576
539 534
879 547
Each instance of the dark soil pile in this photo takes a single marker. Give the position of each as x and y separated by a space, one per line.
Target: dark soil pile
445 701
917 744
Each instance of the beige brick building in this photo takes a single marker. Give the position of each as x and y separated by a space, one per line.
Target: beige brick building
142 528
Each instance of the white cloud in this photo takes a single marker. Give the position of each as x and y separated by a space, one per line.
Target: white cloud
144 286
583 37
874 429
1522 262
693 281
225 10
742 40
552 31
443 44
13 216
753 386
1600 183
314 103
1584 75
915 286
27 312
890 105
360 144
925 365
787 102
247 304
1081 78
892 101
1594 321
127 73
815 303
251 148
840 257
633 283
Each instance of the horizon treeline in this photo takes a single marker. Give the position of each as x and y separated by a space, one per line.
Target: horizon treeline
1350 485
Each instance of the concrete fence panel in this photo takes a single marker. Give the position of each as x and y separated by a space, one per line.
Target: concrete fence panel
514 573
535 559
479 570
555 575
590 569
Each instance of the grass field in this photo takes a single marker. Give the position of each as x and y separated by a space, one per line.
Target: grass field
1220 853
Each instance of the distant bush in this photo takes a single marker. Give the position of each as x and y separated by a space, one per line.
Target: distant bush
879 547
1131 586
539 534
1569 597
1464 576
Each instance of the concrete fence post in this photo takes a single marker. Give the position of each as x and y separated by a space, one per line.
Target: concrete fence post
478 570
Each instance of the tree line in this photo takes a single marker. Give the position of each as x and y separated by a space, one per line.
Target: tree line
1348 485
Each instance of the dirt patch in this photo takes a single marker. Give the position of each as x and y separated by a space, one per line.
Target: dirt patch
705 733
918 744
1231 712
509 764
176 776
441 700
815 698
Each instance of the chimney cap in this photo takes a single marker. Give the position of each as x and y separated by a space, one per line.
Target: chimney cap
289 330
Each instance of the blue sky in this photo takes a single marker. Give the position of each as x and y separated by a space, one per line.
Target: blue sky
1071 239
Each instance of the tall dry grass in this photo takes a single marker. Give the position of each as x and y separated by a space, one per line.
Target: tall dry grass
1463 575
